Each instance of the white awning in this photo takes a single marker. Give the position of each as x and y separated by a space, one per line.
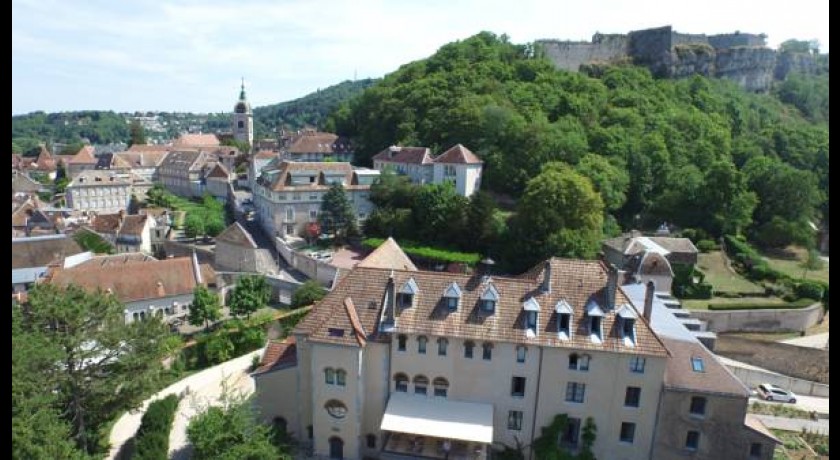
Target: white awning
439 418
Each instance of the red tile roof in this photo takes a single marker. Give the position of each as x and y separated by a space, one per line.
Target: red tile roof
237 236
197 140
278 354
458 154
388 255
283 179
408 155
45 160
219 172
309 141
83 156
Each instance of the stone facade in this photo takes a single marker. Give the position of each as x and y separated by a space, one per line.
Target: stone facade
104 191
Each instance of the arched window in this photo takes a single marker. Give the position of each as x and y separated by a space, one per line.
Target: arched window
487 351
469 345
442 345
421 344
341 377
401 382
329 376
401 339
336 408
441 386
421 383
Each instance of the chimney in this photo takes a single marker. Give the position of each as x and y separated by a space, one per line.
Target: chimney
612 284
651 287
546 282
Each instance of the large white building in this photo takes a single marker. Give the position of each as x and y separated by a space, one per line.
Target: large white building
457 165
397 363
288 195
104 191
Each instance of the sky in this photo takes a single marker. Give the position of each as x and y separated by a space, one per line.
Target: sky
189 55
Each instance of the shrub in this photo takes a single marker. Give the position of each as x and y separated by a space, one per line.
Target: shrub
218 348
307 294
152 441
706 245
428 253
801 303
288 322
698 291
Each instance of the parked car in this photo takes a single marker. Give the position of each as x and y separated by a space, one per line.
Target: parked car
771 392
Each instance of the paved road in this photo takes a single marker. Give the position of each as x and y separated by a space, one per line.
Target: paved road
807 403
204 388
812 341
793 424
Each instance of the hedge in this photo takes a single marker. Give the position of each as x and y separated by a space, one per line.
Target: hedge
152 439
429 253
801 303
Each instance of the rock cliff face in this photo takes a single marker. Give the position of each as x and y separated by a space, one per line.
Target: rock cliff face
742 58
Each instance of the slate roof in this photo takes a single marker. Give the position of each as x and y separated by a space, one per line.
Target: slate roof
680 250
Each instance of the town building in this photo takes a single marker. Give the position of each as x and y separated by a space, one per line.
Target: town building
650 258
288 195
31 256
259 160
83 160
457 165
243 119
314 146
144 159
104 191
399 363
128 233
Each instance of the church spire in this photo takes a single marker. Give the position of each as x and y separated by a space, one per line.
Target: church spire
242 91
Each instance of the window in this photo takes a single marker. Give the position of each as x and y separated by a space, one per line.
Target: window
517 387
401 383
309 431
442 344
240 124
515 420
578 362
290 214
313 214
488 299
697 364
329 376
341 377
421 383
404 300
401 340
698 405
313 196
627 330
755 450
564 321
692 440
452 303
628 431
531 320
487 351
469 345
488 306
521 353
421 344
575 392
441 386
371 441
595 326
632 396
451 296
571 434
637 365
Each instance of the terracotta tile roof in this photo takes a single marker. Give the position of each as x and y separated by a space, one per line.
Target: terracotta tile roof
197 140
141 158
133 281
42 251
85 156
133 224
117 259
23 183
577 282
17 160
208 274
714 379
21 214
237 236
45 160
99 178
278 354
309 141
266 154
106 223
409 155
458 154
358 331
149 148
219 172
752 422
389 255
287 169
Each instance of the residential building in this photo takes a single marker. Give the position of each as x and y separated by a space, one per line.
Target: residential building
160 229
243 119
236 251
288 195
145 285
31 257
314 146
45 164
259 160
104 191
22 183
182 172
83 160
144 159
393 358
128 233
218 181
650 258
457 165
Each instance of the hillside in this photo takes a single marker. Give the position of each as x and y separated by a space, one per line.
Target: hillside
696 152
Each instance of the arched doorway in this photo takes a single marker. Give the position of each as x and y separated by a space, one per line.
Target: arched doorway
336 448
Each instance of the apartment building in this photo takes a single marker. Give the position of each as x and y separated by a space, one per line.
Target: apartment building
457 165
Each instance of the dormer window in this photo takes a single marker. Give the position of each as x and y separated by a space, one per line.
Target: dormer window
594 315
452 296
405 297
489 299
564 319
627 321
532 310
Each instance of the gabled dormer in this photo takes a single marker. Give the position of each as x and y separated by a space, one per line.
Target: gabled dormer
595 317
531 309
564 319
406 294
489 299
626 319
452 296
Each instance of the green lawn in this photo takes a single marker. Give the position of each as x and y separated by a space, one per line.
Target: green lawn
703 304
723 279
792 267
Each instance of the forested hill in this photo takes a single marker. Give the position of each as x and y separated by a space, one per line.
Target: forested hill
696 152
101 127
310 110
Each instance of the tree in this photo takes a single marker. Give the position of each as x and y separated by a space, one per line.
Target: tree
250 294
107 366
205 307
439 214
195 224
560 214
137 134
482 225
337 216
609 180
232 432
307 294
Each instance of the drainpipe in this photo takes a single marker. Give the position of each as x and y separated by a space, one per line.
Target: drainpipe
536 402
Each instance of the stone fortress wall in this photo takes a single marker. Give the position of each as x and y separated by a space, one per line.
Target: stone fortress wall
741 57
